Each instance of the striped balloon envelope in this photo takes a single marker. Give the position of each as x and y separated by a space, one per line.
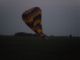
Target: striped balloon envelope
32 18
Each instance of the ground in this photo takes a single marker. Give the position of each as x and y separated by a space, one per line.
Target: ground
30 47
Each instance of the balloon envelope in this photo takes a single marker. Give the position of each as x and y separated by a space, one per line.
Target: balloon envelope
32 18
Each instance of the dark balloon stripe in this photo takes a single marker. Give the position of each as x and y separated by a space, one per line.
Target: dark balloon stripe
37 17
38 26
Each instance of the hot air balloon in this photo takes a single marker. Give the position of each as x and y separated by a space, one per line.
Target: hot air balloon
32 18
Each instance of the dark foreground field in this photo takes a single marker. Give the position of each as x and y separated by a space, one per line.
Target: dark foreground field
31 48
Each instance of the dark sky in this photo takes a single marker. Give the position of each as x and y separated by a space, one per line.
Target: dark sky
59 17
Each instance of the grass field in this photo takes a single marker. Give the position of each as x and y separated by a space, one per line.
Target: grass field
32 48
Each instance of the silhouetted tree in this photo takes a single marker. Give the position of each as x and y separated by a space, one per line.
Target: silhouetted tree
24 34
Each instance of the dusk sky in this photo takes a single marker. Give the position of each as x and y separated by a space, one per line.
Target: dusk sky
59 17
